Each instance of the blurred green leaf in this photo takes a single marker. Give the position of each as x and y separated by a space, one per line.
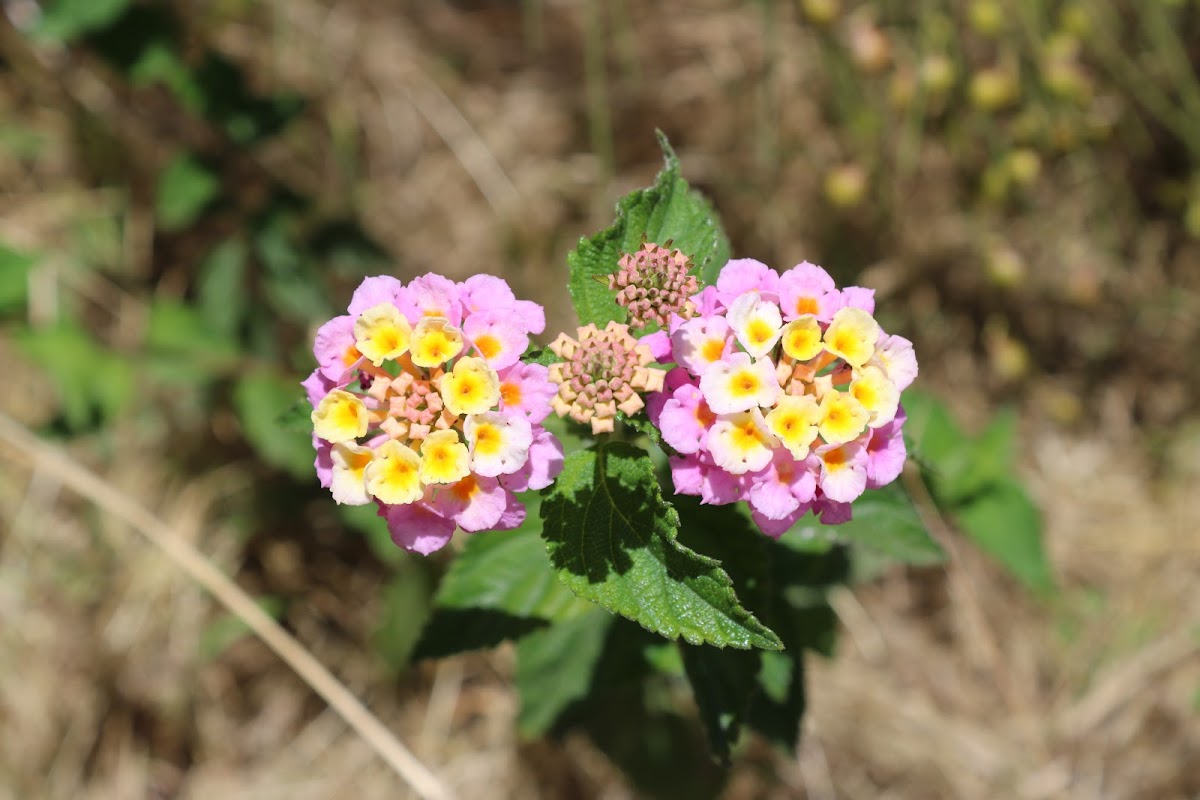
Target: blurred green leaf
64 20
93 383
612 538
669 209
260 399
14 278
985 461
220 634
407 604
1004 522
291 283
886 521
185 187
723 682
159 62
223 293
555 667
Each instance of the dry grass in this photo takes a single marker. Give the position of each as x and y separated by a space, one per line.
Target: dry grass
472 138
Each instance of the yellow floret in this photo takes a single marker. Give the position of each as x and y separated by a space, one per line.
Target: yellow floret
394 477
852 336
472 387
444 459
340 417
381 333
794 421
434 342
842 417
802 338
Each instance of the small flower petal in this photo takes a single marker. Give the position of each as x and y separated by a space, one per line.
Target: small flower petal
340 417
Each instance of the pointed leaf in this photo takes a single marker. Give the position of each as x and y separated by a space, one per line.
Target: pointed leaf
1004 522
612 538
669 209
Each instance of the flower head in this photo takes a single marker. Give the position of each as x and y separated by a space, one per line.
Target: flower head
654 283
786 395
409 411
602 372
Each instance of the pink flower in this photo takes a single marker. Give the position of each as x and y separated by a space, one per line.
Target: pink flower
526 389
782 487
480 292
685 419
687 474
659 343
831 512
475 503
843 470
432 295
316 386
542 466
859 297
886 452
374 291
513 516
417 528
895 354
497 336
324 461
808 289
742 275
700 342
778 527
335 350
708 302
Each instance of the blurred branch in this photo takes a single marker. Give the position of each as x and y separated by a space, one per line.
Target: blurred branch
95 489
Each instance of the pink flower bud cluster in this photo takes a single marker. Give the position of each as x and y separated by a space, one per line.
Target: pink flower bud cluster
422 406
653 284
602 372
786 395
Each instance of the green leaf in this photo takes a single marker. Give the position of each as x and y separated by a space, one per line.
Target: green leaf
501 586
64 20
223 294
407 603
555 667
723 682
886 522
612 538
220 634
93 383
14 278
669 209
185 187
509 571
1004 522
260 399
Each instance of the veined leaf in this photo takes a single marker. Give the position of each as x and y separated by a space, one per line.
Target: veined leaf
1004 522
612 538
670 209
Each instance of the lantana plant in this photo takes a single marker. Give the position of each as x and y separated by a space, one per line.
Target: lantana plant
702 403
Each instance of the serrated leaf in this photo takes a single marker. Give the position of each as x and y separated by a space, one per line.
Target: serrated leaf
555 667
509 571
1004 522
669 209
501 586
185 187
886 522
612 538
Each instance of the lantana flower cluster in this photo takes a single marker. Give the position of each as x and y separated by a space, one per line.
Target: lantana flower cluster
422 405
786 394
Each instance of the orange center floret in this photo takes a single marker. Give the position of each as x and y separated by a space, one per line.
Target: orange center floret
465 488
806 305
511 394
489 346
713 349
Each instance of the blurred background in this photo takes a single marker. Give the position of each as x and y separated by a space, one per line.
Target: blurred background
188 189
